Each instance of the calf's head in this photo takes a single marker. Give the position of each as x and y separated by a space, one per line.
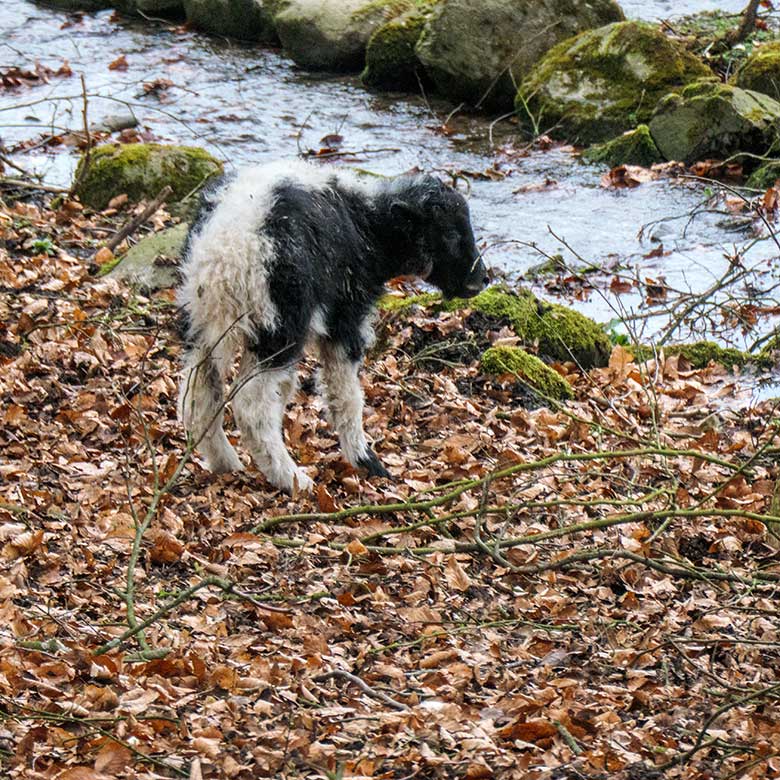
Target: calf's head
436 224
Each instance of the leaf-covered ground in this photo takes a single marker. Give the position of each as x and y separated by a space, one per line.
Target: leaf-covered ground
587 592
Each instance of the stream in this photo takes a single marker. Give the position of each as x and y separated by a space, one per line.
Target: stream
248 103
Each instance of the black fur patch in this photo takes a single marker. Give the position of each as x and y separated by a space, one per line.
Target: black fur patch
334 249
371 463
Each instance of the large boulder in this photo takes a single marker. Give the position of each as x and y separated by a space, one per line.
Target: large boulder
479 52
761 70
153 263
708 119
605 81
330 34
141 171
251 20
391 58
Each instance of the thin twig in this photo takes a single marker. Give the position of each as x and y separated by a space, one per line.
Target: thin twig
133 224
365 687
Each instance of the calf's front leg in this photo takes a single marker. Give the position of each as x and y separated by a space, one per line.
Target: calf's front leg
340 385
258 406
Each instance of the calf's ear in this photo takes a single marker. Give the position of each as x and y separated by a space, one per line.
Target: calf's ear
401 210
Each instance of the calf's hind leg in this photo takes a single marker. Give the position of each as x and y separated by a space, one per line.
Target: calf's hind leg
258 405
344 398
202 409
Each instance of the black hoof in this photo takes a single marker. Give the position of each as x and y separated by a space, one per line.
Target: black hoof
373 466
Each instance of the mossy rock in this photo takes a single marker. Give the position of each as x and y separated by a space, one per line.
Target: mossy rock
141 171
333 35
391 59
761 70
478 52
764 176
605 81
529 369
556 332
636 147
249 20
699 354
708 119
153 262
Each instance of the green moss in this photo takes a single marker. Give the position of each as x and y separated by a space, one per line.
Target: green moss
391 303
391 60
767 357
761 70
635 147
108 267
141 171
765 176
558 332
602 82
699 354
513 360
707 119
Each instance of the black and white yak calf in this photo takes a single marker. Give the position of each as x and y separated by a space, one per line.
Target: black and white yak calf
289 254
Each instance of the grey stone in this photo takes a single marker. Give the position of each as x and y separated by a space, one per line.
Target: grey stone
479 52
709 119
153 262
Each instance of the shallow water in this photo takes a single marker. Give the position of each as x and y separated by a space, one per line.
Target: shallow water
666 9
247 103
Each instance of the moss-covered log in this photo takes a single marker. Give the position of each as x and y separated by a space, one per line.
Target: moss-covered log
699 354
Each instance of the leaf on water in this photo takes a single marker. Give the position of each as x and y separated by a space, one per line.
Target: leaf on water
120 63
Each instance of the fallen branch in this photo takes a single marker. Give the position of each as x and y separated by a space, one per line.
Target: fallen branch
133 224
225 585
32 185
365 687
700 743
412 506
86 162
11 164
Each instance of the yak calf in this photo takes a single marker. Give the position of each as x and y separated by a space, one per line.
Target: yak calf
289 254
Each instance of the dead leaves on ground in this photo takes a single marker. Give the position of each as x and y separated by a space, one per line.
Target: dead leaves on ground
595 670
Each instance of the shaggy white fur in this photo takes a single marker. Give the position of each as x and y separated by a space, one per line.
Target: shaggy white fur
226 293
339 385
